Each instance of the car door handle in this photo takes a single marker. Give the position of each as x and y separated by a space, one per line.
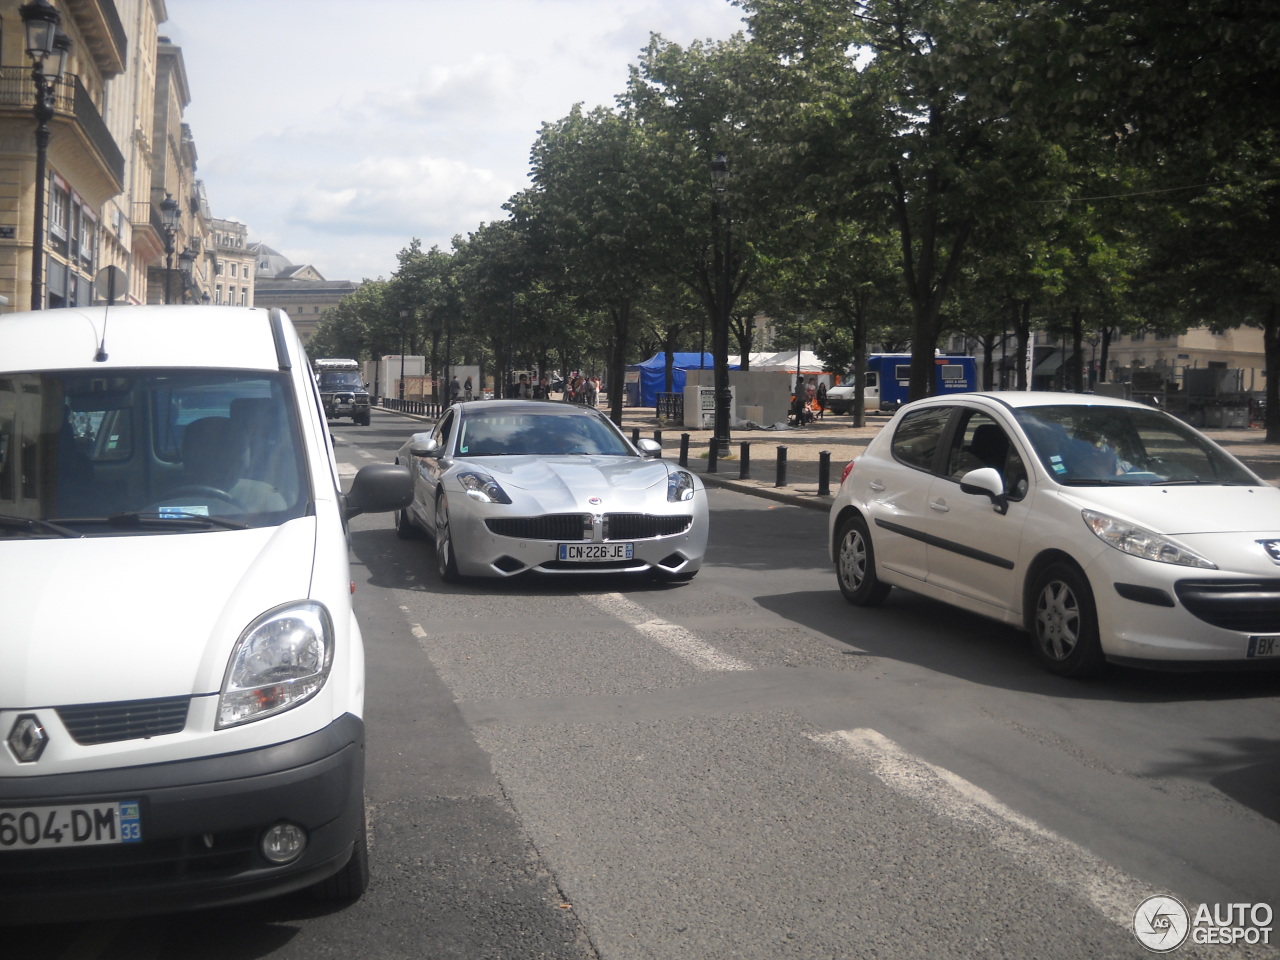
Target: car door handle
939 505
875 485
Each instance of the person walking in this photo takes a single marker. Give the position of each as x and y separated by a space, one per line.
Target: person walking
455 390
466 389
822 398
590 391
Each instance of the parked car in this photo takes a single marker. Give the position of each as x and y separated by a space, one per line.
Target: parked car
1109 530
181 672
507 487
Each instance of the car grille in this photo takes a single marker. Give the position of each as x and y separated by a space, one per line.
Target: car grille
553 526
577 526
642 526
1249 606
126 720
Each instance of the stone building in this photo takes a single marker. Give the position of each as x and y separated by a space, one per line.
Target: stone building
300 290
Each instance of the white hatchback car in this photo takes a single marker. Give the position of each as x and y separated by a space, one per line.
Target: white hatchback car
1109 530
181 672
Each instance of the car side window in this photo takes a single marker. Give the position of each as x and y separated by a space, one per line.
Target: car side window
982 442
444 430
916 439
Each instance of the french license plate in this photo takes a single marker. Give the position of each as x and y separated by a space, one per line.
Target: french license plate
1264 647
595 552
30 828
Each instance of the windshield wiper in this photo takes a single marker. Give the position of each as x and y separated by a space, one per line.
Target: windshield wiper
31 524
174 519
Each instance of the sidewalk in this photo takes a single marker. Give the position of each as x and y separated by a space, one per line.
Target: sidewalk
837 436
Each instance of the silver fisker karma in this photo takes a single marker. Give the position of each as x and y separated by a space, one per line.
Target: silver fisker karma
507 487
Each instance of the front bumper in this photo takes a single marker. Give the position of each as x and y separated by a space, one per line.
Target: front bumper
201 822
481 553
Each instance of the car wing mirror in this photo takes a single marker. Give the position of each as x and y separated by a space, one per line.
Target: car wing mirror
424 445
379 488
649 448
986 482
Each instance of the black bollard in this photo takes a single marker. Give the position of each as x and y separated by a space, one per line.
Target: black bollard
824 473
635 435
684 449
782 467
744 460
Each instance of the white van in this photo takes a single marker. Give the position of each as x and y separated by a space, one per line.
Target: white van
181 672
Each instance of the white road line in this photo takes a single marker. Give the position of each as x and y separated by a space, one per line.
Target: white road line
1056 859
670 635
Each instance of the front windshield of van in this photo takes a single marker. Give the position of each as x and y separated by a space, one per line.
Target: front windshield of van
147 451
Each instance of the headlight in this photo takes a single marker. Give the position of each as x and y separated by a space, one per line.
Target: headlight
680 486
482 487
281 660
1140 542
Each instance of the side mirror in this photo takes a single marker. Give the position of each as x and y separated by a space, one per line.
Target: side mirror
650 448
986 481
424 445
378 488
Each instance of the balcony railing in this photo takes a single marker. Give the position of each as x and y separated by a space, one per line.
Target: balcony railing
70 99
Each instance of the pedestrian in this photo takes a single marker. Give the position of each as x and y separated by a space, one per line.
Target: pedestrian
523 391
590 391
543 390
822 398
455 390
466 388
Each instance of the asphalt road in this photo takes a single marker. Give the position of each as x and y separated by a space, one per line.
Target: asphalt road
746 766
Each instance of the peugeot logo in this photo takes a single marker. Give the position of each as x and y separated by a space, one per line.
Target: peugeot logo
1273 549
27 739
595 501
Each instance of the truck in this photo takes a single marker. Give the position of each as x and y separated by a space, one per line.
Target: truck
343 390
889 381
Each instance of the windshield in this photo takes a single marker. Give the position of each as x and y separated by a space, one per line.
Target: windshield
337 379
141 451
533 434
1094 445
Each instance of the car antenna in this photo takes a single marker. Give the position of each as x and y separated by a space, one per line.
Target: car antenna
107 275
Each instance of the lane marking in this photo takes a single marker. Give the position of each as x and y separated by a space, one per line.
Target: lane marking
672 636
1053 857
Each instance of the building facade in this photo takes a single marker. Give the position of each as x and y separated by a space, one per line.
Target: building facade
300 290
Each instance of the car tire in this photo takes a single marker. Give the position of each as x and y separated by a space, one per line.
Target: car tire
406 529
446 562
352 880
1064 622
856 565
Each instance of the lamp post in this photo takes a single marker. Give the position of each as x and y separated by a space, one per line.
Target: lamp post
186 267
47 47
720 335
169 212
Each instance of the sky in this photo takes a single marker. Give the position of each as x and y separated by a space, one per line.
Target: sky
340 131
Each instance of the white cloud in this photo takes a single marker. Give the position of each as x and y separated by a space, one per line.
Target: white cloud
338 144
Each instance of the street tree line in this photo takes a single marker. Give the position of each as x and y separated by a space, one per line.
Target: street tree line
889 172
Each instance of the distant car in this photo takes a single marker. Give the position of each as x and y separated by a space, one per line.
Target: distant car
343 391
840 399
507 487
1109 530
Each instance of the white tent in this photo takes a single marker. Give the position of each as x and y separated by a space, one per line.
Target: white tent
786 360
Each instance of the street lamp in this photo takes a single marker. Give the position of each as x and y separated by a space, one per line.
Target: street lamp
720 335
169 211
404 322
47 47
186 266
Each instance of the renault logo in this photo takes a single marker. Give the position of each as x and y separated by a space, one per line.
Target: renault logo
27 739
1273 549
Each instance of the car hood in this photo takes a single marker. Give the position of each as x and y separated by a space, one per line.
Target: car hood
574 476
131 618
1188 510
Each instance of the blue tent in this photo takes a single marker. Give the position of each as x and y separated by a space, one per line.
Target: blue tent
653 374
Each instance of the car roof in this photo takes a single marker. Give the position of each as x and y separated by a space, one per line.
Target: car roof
1037 398
549 407
153 335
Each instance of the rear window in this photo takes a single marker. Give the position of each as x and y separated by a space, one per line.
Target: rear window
916 439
